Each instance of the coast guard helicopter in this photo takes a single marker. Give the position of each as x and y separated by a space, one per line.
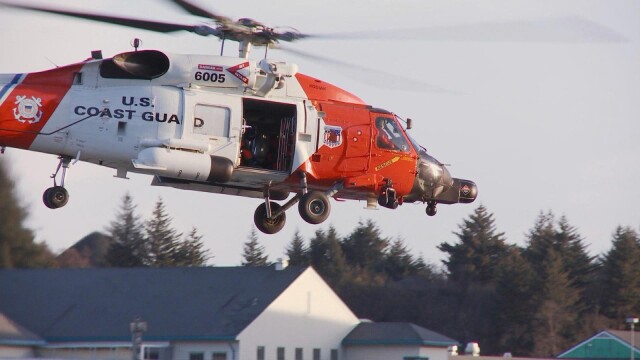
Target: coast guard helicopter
219 124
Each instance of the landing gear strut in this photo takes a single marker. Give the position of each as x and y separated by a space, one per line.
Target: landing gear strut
57 196
431 208
314 208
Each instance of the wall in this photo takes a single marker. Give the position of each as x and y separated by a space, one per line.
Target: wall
181 350
393 352
8 351
306 315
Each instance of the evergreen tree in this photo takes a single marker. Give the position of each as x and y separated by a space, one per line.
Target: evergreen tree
621 275
326 257
555 320
17 246
365 248
162 239
253 253
515 286
191 251
128 247
399 263
481 248
297 251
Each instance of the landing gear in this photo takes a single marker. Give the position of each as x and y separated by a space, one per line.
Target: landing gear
265 221
314 207
57 196
431 208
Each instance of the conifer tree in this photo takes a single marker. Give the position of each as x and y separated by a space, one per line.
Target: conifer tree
365 248
480 250
191 251
515 286
128 247
162 239
17 246
399 263
253 252
555 320
326 256
296 251
621 275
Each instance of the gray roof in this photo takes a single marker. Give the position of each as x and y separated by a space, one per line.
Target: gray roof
212 303
395 333
16 335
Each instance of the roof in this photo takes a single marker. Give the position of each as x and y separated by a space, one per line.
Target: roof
611 344
16 335
395 333
210 303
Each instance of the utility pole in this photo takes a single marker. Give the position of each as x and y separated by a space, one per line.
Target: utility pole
137 327
632 321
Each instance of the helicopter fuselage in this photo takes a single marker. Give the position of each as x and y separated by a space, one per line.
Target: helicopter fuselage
224 125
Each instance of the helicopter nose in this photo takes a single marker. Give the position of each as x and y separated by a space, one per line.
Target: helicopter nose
433 175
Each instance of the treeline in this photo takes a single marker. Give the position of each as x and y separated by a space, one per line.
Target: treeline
535 300
531 300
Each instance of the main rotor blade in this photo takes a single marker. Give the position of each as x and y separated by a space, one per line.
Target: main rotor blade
570 29
369 76
199 11
156 26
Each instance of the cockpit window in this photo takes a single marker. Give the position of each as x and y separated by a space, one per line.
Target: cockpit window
390 136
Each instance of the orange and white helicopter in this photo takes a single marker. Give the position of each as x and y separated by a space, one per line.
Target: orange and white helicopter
227 125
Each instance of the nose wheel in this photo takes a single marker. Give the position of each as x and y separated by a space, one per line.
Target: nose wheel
57 196
431 208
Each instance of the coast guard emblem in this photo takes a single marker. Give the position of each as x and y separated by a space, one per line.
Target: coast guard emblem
27 109
332 136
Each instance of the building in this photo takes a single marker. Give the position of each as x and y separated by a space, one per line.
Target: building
206 313
606 344
373 341
16 341
210 313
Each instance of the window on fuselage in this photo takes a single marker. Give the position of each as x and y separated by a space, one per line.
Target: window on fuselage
389 135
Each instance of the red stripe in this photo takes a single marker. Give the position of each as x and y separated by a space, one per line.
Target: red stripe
49 88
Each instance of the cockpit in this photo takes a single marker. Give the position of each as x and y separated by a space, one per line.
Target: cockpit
390 135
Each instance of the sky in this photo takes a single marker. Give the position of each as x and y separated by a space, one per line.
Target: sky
538 102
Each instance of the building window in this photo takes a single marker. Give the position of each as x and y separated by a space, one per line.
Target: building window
196 356
334 354
219 356
316 354
151 353
260 354
298 353
280 353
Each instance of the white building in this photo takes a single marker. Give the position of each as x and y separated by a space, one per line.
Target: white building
210 313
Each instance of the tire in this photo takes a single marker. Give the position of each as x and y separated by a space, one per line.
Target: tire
59 196
314 207
46 198
269 226
56 197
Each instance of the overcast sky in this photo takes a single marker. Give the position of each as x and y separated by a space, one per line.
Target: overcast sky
537 101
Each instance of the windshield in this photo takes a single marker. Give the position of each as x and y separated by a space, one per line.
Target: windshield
419 148
390 135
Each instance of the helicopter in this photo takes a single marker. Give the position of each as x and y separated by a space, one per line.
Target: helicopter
221 124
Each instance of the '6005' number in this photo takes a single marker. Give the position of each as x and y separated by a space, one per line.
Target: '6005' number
213 77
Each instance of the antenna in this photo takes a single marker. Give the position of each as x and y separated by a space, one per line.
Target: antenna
136 43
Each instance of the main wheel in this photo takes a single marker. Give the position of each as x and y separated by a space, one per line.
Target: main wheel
55 197
314 207
266 225
431 210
